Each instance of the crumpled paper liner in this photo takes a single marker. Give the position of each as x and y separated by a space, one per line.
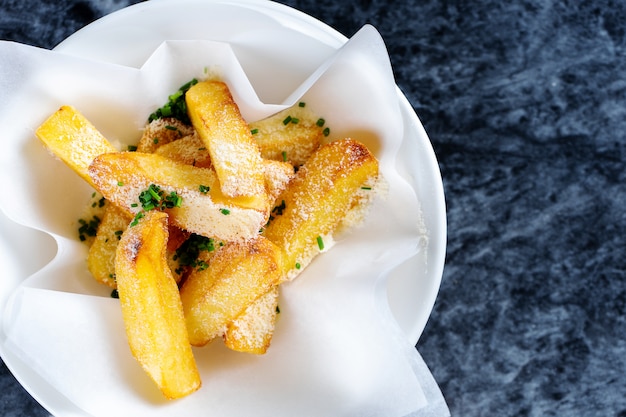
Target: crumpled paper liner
337 350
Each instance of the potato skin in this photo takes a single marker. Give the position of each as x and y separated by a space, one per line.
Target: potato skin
234 153
73 139
325 188
238 274
151 307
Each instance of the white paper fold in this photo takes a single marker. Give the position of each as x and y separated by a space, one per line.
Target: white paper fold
337 350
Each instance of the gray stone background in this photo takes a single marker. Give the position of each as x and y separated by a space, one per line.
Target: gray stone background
525 104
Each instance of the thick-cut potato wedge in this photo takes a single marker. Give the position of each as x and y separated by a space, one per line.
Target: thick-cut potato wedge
160 132
121 177
290 135
152 309
73 139
324 189
252 331
101 256
238 274
277 177
234 153
189 150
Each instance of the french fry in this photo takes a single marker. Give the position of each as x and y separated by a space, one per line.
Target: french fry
73 139
238 274
277 177
252 331
290 135
152 309
189 150
177 238
205 210
160 132
101 256
324 189
234 153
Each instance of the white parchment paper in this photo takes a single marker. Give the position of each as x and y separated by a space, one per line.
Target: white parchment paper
337 350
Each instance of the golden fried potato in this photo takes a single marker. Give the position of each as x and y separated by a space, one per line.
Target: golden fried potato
73 139
189 150
252 331
324 189
291 135
160 132
101 256
177 238
277 177
234 153
238 274
204 209
152 309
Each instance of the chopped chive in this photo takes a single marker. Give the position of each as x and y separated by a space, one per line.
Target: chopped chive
287 120
320 243
366 188
278 210
170 127
301 104
189 252
115 294
225 212
320 122
298 266
204 189
132 148
138 217
120 183
176 106
295 120
326 132
155 140
202 265
254 131
175 97
88 228
284 153
154 194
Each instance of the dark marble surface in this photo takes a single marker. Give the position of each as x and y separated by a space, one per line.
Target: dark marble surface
525 104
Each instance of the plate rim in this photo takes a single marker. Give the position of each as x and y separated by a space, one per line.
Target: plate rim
74 43
437 238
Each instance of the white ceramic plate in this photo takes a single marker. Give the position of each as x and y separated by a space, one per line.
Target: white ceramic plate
129 36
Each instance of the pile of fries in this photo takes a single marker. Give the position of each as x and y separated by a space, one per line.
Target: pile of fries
207 216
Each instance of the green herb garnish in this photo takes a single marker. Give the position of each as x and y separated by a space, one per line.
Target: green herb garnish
88 228
153 198
189 252
176 106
